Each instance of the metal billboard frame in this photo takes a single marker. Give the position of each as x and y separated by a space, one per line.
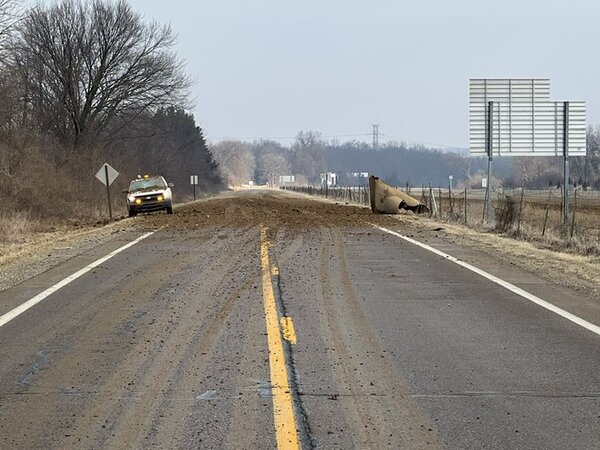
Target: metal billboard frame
529 129
515 117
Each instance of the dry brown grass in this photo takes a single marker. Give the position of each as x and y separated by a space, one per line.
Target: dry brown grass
580 237
38 240
16 227
567 268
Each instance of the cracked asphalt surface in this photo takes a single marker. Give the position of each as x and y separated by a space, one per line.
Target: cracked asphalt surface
164 345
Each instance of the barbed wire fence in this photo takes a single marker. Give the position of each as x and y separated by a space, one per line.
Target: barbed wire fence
357 195
521 213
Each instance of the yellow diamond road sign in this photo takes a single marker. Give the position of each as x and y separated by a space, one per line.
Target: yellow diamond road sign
107 174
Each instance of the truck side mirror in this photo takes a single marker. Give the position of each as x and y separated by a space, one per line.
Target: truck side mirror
171 184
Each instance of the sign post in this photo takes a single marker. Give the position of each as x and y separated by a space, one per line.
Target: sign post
106 175
194 182
108 191
565 202
490 153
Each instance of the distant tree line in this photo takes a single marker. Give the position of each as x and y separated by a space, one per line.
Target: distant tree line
309 156
88 82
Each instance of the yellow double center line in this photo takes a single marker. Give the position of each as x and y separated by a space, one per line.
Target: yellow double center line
283 410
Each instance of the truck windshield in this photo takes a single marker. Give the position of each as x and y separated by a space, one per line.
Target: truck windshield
146 184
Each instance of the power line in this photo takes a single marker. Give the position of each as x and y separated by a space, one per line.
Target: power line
375 134
284 137
424 143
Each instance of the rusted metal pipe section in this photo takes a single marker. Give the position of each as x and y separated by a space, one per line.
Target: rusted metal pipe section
386 199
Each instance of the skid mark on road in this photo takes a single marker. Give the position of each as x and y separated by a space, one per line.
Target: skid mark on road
168 347
166 372
41 359
373 397
283 410
505 284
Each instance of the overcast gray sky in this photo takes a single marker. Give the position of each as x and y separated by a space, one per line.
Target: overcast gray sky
269 68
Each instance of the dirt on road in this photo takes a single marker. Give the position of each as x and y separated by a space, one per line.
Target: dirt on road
283 209
299 212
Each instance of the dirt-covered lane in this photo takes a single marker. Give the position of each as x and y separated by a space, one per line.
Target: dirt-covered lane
128 357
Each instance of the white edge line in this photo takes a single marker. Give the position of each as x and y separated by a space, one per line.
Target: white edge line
15 312
505 284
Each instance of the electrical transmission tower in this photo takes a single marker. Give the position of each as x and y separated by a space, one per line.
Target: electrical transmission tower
375 136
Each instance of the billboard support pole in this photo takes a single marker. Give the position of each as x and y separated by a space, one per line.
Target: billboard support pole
565 202
489 143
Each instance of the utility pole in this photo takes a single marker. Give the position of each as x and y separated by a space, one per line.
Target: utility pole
375 136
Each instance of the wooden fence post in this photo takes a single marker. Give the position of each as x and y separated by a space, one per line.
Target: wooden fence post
574 212
520 211
466 220
546 213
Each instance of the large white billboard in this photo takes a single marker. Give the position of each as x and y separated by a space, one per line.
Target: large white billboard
525 121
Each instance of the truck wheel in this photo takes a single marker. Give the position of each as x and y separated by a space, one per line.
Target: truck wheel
132 213
170 209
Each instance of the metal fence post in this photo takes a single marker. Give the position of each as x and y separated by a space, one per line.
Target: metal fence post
574 212
466 220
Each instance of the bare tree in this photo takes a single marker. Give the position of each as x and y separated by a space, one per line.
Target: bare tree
272 160
10 12
586 169
235 160
533 170
84 64
307 155
271 165
466 167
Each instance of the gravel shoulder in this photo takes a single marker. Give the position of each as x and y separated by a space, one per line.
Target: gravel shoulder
43 251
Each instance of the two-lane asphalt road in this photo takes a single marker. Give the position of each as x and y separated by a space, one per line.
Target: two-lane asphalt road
263 320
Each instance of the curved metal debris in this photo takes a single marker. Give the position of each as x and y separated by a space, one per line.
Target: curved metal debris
388 200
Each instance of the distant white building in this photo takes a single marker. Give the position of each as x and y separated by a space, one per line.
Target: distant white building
329 179
286 179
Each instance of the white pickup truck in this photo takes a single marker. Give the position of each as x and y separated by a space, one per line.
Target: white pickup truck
149 193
